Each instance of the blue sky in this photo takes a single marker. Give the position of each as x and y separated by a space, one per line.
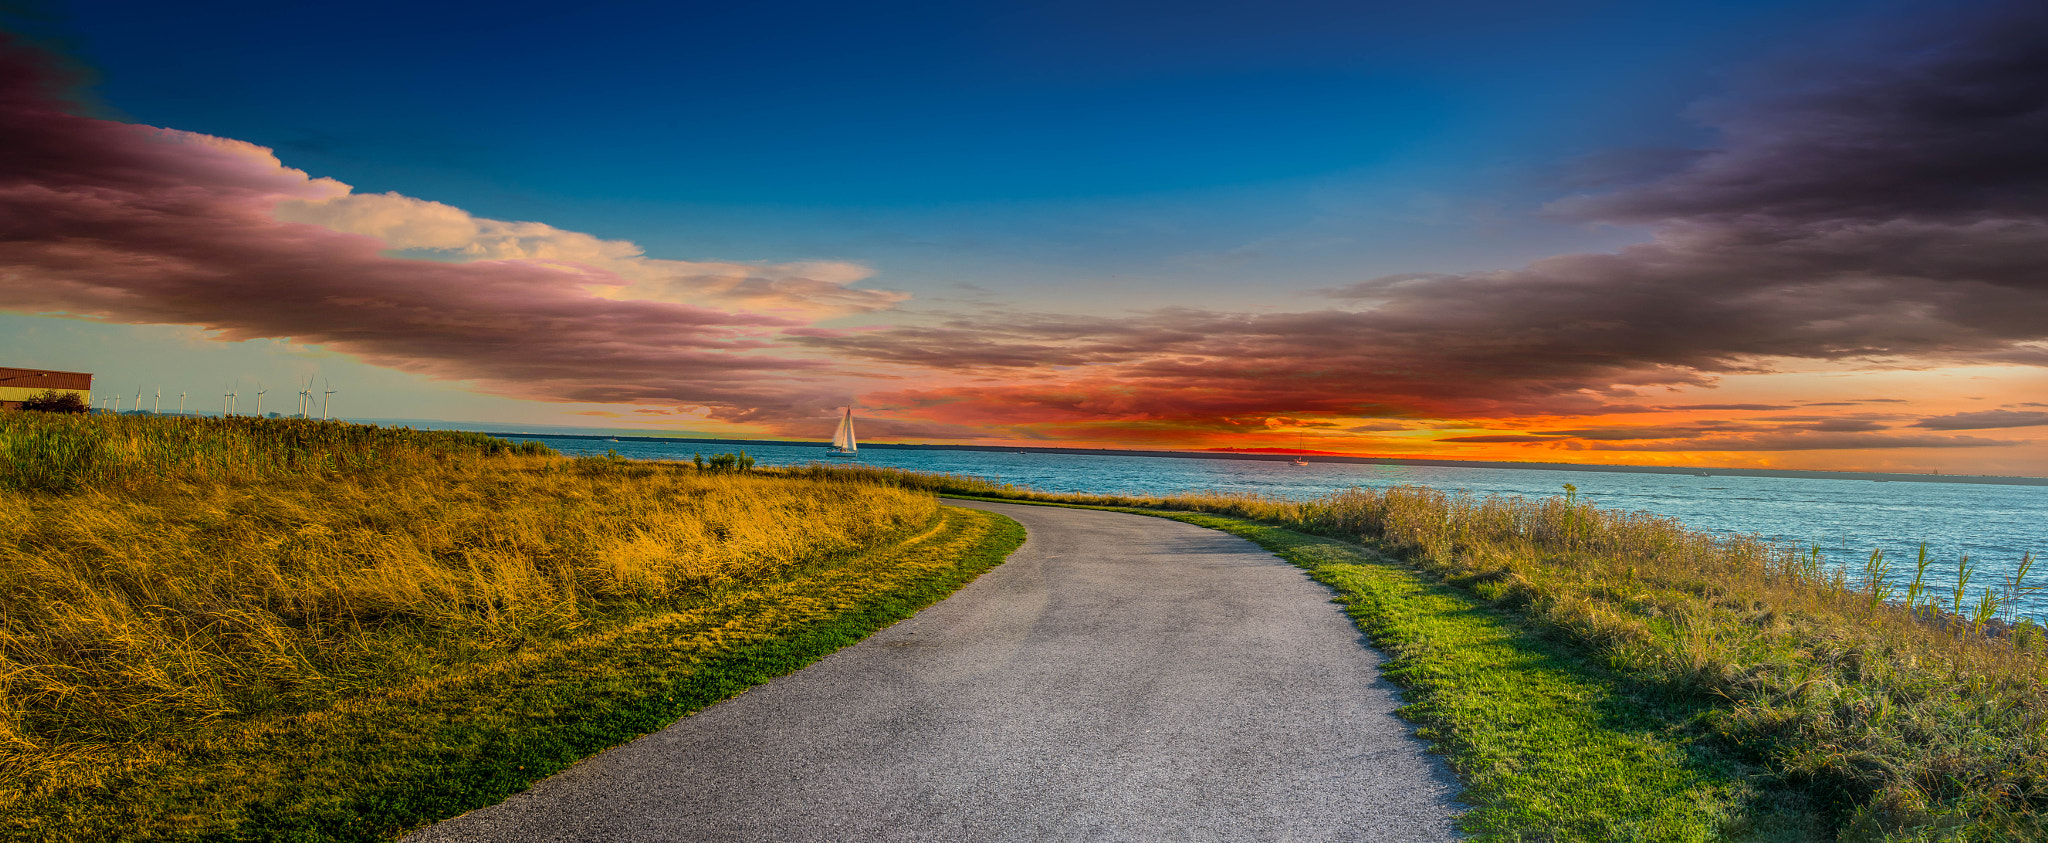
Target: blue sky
1044 145
1572 230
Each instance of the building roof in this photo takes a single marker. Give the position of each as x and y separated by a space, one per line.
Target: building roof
44 379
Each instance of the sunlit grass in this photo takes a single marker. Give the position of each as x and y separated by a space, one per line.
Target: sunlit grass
246 590
1896 712
1552 744
59 452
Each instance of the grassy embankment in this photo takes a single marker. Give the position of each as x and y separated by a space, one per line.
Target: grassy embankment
1606 675
250 629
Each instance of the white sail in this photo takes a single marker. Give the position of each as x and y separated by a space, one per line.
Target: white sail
842 440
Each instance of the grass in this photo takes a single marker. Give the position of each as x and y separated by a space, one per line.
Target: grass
306 648
1552 744
1833 711
263 630
63 452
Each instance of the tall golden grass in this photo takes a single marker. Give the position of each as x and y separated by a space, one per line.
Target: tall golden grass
1914 715
59 451
180 571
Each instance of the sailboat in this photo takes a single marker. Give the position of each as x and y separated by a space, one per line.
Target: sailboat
1301 444
842 439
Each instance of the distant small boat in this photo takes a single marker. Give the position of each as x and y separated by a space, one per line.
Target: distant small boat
1297 461
842 439
1300 444
611 440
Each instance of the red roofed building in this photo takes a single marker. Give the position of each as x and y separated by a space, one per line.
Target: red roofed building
18 385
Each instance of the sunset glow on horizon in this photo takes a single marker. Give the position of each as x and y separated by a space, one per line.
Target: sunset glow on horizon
1146 228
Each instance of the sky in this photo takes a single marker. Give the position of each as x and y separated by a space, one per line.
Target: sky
1794 234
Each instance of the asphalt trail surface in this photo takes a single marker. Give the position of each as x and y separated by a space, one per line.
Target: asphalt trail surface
1119 678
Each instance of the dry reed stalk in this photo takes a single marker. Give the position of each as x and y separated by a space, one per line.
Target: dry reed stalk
257 583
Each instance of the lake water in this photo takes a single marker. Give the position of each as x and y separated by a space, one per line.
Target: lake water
1846 518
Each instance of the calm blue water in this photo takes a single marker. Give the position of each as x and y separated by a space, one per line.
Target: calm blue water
1846 518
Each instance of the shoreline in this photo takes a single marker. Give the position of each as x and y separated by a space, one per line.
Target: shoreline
1795 474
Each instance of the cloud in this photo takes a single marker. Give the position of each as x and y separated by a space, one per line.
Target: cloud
1944 121
1984 420
1839 434
1624 434
1184 361
1808 442
1373 427
813 289
133 224
1882 212
1844 425
1889 212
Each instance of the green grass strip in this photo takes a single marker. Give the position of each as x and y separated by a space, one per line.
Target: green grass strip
1551 745
377 769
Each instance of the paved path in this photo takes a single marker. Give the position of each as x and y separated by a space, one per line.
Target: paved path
1119 678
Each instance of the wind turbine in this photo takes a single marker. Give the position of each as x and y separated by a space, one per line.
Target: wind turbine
323 401
181 403
158 410
259 398
138 398
117 405
306 398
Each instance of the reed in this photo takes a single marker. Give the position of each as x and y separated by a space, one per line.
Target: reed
160 574
2019 586
1919 586
62 452
1877 578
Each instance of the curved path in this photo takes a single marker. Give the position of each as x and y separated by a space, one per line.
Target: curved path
1119 678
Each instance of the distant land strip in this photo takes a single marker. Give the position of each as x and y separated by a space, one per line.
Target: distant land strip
1876 476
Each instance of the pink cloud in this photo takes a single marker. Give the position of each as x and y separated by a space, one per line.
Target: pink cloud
134 224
